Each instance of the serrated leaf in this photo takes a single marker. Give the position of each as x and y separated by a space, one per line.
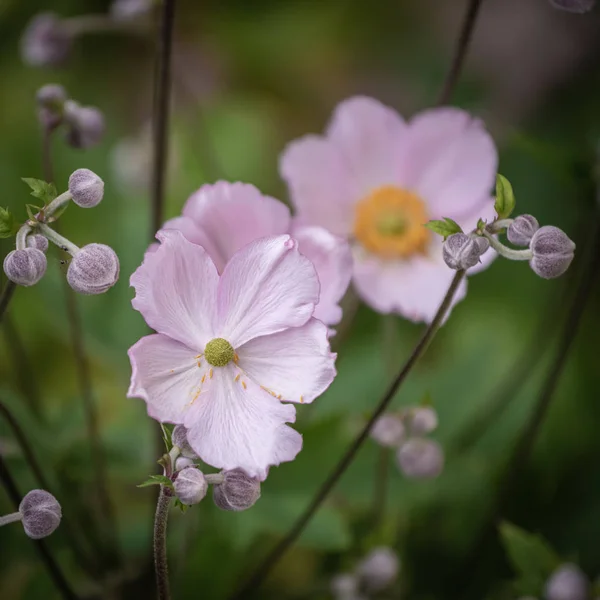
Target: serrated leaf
7 223
444 227
157 480
44 191
505 198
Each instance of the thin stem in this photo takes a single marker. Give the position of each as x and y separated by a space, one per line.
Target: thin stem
7 293
51 565
507 252
62 242
161 567
21 237
57 203
460 52
500 224
214 478
277 553
11 518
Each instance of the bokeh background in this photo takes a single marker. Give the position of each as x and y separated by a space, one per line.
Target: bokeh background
249 76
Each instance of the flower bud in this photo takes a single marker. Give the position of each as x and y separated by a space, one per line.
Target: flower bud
567 583
37 241
51 99
45 41
190 485
574 6
179 439
86 188
344 586
421 458
388 431
182 462
41 514
124 10
552 250
85 125
482 243
423 420
94 269
25 267
460 251
238 491
521 230
379 569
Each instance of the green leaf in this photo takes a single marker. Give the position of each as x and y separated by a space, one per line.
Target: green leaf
481 225
42 190
157 480
444 227
505 198
7 223
182 507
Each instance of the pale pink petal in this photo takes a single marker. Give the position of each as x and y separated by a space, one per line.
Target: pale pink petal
369 136
237 424
294 365
320 183
450 160
166 375
231 215
332 259
176 290
266 287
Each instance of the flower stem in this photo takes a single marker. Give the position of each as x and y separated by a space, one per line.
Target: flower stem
507 252
160 543
21 237
62 242
7 293
277 553
57 203
11 518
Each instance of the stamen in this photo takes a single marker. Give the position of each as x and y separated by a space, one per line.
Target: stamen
236 378
244 384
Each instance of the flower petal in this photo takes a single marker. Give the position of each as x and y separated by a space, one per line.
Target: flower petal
266 287
239 425
166 375
294 365
176 290
332 259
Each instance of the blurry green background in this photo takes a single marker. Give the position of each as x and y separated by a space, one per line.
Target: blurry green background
250 75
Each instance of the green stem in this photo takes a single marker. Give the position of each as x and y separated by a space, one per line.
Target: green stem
57 203
7 293
11 518
509 253
161 567
62 242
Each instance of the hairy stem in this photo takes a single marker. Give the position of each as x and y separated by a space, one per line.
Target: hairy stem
62 242
507 252
11 518
7 293
161 567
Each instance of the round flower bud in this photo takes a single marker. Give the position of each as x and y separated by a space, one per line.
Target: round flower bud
94 269
460 251
574 6
379 569
521 230
45 41
179 439
482 243
85 125
421 458
344 586
37 241
41 514
124 10
182 462
388 431
238 491
567 583
51 99
552 250
190 485
25 267
424 420
86 188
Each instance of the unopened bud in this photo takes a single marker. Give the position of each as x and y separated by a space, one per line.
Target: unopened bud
37 241
124 10
483 244
574 6
41 514
51 99
238 491
85 125
379 569
460 251
423 420
567 583
388 431
86 188
344 586
25 267
421 458
45 41
521 230
94 269
553 252
190 485
182 462
179 439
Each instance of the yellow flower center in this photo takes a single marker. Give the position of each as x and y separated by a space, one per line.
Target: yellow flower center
389 222
219 352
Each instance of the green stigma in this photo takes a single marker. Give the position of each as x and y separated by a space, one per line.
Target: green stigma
219 352
391 225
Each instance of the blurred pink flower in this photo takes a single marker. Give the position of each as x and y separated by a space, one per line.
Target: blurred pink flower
230 348
224 217
376 179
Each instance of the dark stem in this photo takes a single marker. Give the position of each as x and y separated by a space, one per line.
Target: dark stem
277 553
160 543
7 294
460 51
53 568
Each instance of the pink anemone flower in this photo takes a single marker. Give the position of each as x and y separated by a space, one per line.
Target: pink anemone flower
230 349
375 180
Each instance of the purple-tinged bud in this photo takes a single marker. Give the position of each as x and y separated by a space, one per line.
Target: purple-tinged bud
389 431
344 586
521 230
37 241
421 458
423 420
574 6
238 491
553 252
25 267
46 41
41 514
567 583
52 96
86 188
85 125
460 251
379 569
94 269
483 244
183 462
190 485
125 10
179 439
